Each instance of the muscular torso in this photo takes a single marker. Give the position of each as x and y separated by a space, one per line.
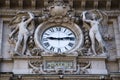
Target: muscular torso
23 28
94 26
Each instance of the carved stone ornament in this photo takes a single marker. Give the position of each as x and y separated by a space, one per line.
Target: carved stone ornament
59 37
37 67
82 38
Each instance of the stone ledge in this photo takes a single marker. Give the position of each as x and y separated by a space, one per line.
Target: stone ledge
79 57
92 57
0 57
118 57
6 74
26 57
115 74
81 76
12 12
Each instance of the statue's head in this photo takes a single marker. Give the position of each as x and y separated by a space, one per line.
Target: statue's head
94 16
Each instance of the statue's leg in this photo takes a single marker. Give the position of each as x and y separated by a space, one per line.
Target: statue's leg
20 37
100 41
92 37
25 44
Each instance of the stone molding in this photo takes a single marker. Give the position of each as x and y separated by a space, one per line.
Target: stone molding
7 12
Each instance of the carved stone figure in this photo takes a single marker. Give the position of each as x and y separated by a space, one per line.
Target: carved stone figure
23 33
94 31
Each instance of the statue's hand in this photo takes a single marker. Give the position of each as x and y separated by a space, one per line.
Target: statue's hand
11 39
97 10
10 36
31 15
84 12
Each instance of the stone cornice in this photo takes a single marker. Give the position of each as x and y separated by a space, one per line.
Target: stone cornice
11 12
109 13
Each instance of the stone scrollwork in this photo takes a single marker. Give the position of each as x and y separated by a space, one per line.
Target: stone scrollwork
85 69
36 52
38 68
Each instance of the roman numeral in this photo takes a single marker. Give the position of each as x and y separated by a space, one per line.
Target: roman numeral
44 39
52 48
70 34
58 28
59 50
47 44
47 34
66 48
65 30
70 44
52 30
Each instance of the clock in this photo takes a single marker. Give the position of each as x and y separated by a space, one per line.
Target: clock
58 39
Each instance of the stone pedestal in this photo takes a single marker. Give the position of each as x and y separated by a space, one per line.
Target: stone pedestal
20 65
98 65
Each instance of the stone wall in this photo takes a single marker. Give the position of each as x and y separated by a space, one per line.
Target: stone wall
101 67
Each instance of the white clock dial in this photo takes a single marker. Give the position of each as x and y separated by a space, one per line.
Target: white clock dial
58 39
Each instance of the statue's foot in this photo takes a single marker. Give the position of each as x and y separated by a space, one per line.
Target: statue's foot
28 53
89 54
94 55
103 54
17 53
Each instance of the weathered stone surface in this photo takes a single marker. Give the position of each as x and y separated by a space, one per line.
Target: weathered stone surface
35 62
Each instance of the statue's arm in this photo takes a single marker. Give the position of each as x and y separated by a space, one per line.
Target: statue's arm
30 19
101 17
84 17
14 31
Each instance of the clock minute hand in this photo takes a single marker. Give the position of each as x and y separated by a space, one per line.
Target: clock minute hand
68 38
52 38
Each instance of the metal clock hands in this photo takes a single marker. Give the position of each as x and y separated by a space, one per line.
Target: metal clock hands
59 41
63 38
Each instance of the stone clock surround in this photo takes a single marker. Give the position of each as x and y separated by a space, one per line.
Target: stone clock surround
72 26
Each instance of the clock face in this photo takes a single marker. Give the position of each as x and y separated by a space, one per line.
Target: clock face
58 39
